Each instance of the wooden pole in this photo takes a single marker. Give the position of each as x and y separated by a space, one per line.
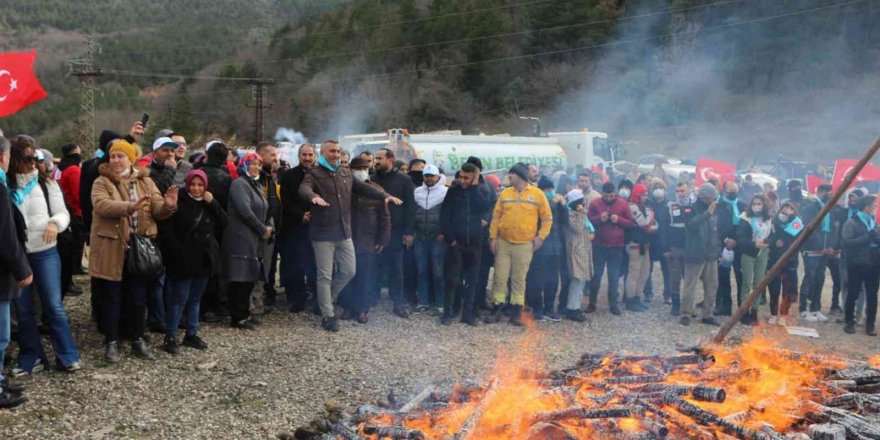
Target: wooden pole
792 250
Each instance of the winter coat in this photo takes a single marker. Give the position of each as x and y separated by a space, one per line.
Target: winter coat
243 241
860 244
724 213
293 207
218 182
111 231
370 223
819 239
429 201
183 168
88 174
38 214
554 244
463 213
645 226
273 196
71 173
14 264
333 223
402 217
776 251
609 234
660 238
701 242
162 176
191 247
746 234
519 217
579 246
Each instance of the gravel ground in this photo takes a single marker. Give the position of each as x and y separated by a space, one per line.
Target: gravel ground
257 384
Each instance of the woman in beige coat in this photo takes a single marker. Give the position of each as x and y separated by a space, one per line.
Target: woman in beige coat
126 202
579 251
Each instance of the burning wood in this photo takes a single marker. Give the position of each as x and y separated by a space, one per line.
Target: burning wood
749 392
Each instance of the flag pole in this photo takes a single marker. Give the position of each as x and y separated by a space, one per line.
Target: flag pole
793 249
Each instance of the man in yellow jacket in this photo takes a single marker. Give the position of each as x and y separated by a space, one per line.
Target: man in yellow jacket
514 235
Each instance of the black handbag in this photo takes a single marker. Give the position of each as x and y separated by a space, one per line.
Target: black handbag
144 259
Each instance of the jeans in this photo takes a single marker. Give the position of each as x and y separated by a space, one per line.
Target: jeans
390 264
156 304
185 294
357 296
664 270
5 330
724 294
46 266
814 280
708 273
837 286
330 255
844 281
298 272
542 282
429 263
512 262
786 283
124 306
612 257
463 278
859 276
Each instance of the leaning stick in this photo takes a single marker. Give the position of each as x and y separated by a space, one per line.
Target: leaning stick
470 424
799 240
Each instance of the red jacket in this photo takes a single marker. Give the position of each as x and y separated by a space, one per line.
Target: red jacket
609 234
69 183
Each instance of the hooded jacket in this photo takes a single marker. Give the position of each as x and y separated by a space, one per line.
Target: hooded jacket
819 240
429 202
462 214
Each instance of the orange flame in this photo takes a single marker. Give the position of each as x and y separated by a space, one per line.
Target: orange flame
874 361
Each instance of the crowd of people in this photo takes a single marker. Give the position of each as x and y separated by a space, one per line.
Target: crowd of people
175 240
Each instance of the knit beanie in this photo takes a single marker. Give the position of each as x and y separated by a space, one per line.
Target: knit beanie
121 145
521 170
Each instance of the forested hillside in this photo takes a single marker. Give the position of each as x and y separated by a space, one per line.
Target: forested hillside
674 75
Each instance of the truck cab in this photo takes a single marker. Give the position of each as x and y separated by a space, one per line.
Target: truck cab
587 149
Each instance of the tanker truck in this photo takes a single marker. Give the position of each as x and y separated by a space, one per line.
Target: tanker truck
450 149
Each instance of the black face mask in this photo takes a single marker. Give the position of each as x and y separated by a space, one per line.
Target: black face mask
76 158
417 177
731 194
795 194
825 198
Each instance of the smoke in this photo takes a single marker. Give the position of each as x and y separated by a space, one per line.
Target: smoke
803 85
290 135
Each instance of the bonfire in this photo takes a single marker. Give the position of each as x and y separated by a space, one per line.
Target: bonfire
751 390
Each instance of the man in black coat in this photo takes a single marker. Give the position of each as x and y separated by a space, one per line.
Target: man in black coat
729 210
402 227
298 271
15 273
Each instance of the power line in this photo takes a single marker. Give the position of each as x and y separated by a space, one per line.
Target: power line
560 51
177 76
482 38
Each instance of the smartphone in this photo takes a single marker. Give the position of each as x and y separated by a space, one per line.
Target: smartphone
144 119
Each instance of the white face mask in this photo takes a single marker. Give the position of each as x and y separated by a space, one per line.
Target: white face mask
361 175
624 193
783 217
659 193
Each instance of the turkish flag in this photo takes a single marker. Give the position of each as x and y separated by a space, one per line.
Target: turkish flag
870 173
19 86
813 183
708 169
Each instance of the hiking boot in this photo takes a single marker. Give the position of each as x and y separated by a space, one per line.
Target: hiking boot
591 308
615 310
685 320
194 342
575 315
142 350
711 321
111 353
11 400
363 317
330 324
446 320
244 324
495 315
538 315
170 346
14 388
401 311
849 328
211 317
516 316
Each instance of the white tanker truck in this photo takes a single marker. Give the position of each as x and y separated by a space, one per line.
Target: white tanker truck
449 149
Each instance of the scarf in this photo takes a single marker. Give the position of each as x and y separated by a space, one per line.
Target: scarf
826 221
760 234
323 162
19 194
734 207
3 178
794 227
869 221
589 225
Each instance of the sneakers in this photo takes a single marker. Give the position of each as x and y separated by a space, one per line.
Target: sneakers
363 317
809 317
14 388
72 368
820 317
711 321
849 328
773 320
170 346
421 308
111 353
401 311
244 324
781 322
194 342
37 368
538 315
575 315
330 324
140 348
553 317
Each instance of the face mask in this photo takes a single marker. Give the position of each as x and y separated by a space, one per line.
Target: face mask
783 217
795 194
731 194
77 158
551 195
361 175
659 193
99 154
625 193
756 210
825 198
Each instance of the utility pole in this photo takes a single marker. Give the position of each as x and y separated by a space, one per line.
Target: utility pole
258 93
84 69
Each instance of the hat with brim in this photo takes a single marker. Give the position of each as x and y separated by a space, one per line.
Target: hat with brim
165 142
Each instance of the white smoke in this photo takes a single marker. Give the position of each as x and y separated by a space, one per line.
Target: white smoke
290 135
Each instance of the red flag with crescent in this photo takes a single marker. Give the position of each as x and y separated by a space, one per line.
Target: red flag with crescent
708 169
842 167
19 86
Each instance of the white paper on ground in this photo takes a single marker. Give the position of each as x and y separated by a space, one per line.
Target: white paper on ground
803 331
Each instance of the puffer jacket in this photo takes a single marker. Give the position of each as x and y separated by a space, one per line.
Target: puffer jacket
36 212
860 244
429 201
111 223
